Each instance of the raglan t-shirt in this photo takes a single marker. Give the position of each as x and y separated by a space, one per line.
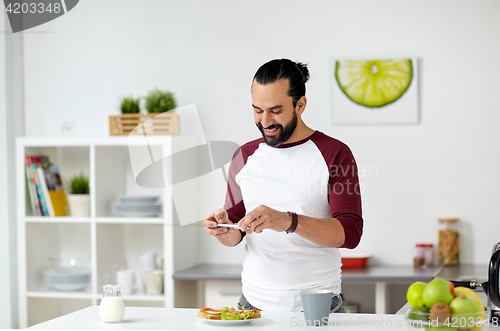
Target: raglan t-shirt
316 177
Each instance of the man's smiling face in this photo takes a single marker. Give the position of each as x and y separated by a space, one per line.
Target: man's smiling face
274 113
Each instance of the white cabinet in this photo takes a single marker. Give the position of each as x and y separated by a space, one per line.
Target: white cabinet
222 293
108 242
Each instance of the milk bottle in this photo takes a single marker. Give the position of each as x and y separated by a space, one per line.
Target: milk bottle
111 307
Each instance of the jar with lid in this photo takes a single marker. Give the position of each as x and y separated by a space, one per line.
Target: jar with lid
112 307
449 241
423 255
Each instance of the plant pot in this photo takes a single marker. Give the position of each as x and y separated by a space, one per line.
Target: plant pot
79 205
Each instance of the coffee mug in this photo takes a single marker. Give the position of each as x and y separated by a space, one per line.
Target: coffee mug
316 305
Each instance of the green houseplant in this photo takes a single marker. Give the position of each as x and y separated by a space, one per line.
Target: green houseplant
78 197
160 101
130 105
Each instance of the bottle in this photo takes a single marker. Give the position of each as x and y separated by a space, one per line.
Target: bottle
112 307
449 242
423 255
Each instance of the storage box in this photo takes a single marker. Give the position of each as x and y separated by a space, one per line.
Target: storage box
138 124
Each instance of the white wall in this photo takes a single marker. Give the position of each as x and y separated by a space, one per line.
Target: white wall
5 303
77 67
11 126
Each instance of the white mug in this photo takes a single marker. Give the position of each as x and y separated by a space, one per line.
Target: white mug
125 278
147 261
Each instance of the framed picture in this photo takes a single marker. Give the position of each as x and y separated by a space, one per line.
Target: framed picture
377 91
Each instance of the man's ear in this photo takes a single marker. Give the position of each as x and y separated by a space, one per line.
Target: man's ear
301 105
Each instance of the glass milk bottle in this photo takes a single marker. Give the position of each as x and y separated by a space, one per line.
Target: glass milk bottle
112 307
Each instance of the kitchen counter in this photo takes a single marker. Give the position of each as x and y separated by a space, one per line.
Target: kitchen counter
380 276
368 274
142 318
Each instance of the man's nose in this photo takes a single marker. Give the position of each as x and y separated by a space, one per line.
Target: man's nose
267 119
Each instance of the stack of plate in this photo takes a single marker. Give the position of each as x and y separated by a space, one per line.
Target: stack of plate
137 206
67 278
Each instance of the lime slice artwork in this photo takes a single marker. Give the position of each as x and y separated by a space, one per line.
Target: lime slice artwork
374 83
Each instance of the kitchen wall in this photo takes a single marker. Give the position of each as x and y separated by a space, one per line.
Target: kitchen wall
5 293
78 66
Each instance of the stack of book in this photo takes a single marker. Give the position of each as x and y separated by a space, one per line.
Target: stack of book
45 188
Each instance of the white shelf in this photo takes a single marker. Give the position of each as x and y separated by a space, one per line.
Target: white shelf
48 293
130 220
111 242
59 219
138 297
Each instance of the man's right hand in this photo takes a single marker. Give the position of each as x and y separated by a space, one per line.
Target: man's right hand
227 236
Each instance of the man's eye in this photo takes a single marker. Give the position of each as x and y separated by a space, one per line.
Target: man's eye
258 111
276 112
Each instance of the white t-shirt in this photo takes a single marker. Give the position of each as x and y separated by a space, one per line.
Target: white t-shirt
293 177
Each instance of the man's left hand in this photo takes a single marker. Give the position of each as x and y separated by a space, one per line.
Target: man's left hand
264 217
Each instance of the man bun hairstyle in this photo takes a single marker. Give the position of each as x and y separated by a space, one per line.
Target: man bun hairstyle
296 73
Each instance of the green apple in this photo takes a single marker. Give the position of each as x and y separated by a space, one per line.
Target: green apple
414 294
419 314
464 306
438 290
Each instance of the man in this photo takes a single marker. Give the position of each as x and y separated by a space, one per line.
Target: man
294 194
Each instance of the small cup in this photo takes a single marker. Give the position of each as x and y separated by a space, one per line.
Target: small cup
154 282
125 278
316 305
147 261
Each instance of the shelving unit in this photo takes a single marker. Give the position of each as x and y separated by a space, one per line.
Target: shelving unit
110 243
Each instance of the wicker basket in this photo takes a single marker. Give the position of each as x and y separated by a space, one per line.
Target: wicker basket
138 124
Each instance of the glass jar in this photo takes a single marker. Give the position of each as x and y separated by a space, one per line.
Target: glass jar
112 307
449 241
423 255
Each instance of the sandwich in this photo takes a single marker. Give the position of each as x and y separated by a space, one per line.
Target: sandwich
227 313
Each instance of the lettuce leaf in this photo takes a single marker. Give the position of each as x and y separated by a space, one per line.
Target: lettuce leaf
226 315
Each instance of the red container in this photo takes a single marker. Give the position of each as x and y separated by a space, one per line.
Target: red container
354 262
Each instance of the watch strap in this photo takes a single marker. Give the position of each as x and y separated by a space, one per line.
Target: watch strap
295 220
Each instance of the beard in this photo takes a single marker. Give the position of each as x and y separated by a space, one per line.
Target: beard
283 136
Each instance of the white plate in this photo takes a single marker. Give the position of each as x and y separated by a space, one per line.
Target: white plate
69 287
137 199
227 322
137 205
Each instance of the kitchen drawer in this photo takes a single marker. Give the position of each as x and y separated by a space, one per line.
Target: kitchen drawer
222 293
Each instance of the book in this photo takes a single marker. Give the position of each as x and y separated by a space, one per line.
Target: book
45 191
29 187
35 162
56 191
30 181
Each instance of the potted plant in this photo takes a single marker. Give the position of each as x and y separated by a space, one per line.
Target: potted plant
160 101
130 105
78 197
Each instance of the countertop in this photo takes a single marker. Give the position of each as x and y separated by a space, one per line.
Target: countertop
368 274
146 318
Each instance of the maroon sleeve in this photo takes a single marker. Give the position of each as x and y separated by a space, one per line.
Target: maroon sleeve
344 189
234 201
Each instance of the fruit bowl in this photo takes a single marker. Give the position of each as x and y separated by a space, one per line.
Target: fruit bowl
418 320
